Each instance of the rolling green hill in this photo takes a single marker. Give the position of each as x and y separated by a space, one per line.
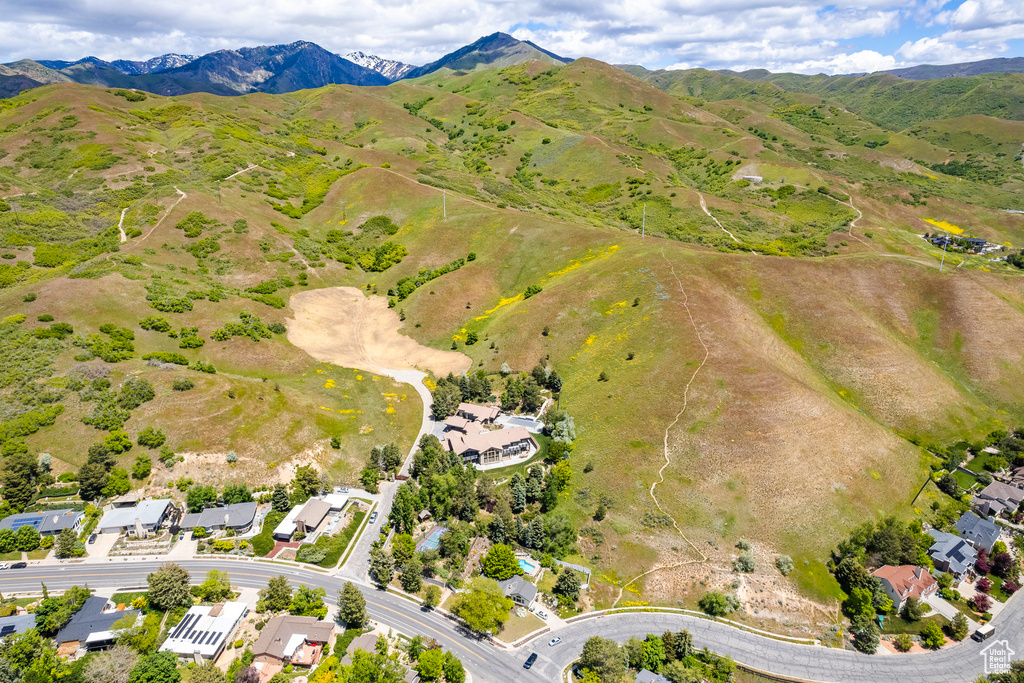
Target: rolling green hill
798 316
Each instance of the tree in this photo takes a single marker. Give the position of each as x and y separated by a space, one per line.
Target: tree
53 612
958 627
500 563
653 652
118 442
305 484
113 666
431 665
276 597
207 672
159 667
932 636
370 479
860 604
980 602
784 563
200 496
912 610
151 438
216 587
412 575
431 596
715 604
281 502
402 549
309 602
604 657
26 538
484 608
567 585
446 400
236 493
903 642
351 606
405 508
92 479
865 635
142 467
169 587
19 478
382 566
139 637
66 544
453 670
7 541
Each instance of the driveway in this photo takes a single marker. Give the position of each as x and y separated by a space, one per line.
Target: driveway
947 610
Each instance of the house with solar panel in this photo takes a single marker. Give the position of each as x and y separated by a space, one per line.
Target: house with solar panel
46 523
204 631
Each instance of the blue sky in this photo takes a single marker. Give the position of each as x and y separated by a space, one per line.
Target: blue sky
799 35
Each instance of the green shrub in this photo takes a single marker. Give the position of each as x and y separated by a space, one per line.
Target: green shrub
182 384
166 357
203 366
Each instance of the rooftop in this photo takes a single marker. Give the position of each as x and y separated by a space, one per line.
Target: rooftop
147 512
50 522
983 533
204 629
460 443
907 580
313 512
237 515
479 413
93 622
283 635
517 585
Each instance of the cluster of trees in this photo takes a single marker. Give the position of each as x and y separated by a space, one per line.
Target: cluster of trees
383 459
452 390
670 654
202 496
303 602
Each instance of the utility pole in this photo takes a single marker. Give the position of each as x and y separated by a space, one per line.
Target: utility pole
643 225
444 203
943 254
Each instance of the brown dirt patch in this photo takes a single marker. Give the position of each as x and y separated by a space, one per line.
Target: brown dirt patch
341 325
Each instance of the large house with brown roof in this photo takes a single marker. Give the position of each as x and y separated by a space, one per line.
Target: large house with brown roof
905 581
488 447
474 413
287 639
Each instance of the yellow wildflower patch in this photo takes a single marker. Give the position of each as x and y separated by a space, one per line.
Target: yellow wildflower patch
590 340
576 263
329 384
390 409
504 302
359 378
945 225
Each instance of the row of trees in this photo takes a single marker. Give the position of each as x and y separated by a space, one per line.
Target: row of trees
670 654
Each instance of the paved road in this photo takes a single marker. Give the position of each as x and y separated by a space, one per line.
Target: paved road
485 662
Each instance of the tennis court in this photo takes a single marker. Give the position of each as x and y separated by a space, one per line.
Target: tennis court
431 540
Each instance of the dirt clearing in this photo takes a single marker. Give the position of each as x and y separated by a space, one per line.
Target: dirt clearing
341 325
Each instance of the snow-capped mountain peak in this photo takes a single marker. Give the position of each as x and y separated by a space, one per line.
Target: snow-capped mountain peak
389 68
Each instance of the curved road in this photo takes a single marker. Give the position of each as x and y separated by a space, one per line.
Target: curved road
486 662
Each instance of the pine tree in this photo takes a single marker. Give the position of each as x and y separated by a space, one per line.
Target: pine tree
497 530
382 567
281 501
351 606
537 532
412 575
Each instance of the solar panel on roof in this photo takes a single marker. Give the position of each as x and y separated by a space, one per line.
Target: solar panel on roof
6 630
183 625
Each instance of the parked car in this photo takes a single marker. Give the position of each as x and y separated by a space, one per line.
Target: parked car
4 565
530 660
19 565
554 641
373 517
542 615
92 538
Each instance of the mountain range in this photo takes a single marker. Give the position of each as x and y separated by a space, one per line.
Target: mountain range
302 65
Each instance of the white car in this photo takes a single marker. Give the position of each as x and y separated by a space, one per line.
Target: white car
4 565
542 615
554 641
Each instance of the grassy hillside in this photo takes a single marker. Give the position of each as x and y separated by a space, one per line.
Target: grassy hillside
817 337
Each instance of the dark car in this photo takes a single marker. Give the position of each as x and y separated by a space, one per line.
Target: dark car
530 660
19 565
92 538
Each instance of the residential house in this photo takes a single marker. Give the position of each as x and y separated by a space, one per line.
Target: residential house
646 676
142 519
489 447
302 518
238 517
521 591
951 554
998 499
92 627
905 581
204 631
982 533
366 642
475 413
298 641
17 623
48 523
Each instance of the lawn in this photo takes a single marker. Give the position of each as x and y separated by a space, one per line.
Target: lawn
39 554
898 624
338 543
12 556
263 542
997 591
516 627
127 598
965 480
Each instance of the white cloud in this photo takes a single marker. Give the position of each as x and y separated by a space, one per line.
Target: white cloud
797 35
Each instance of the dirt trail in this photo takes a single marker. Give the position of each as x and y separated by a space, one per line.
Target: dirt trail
668 429
704 206
166 213
343 326
120 225
242 171
853 223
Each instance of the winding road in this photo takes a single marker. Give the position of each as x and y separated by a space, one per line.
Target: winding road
486 662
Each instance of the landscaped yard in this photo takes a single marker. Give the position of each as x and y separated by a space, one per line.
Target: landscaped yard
517 627
897 624
263 542
338 543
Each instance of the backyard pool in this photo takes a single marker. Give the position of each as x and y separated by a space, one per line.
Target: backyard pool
526 566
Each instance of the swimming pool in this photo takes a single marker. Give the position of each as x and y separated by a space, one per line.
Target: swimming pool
526 566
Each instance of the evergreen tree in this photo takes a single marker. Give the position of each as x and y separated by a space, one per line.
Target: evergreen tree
169 587
276 597
351 606
537 533
281 502
382 567
412 575
497 530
